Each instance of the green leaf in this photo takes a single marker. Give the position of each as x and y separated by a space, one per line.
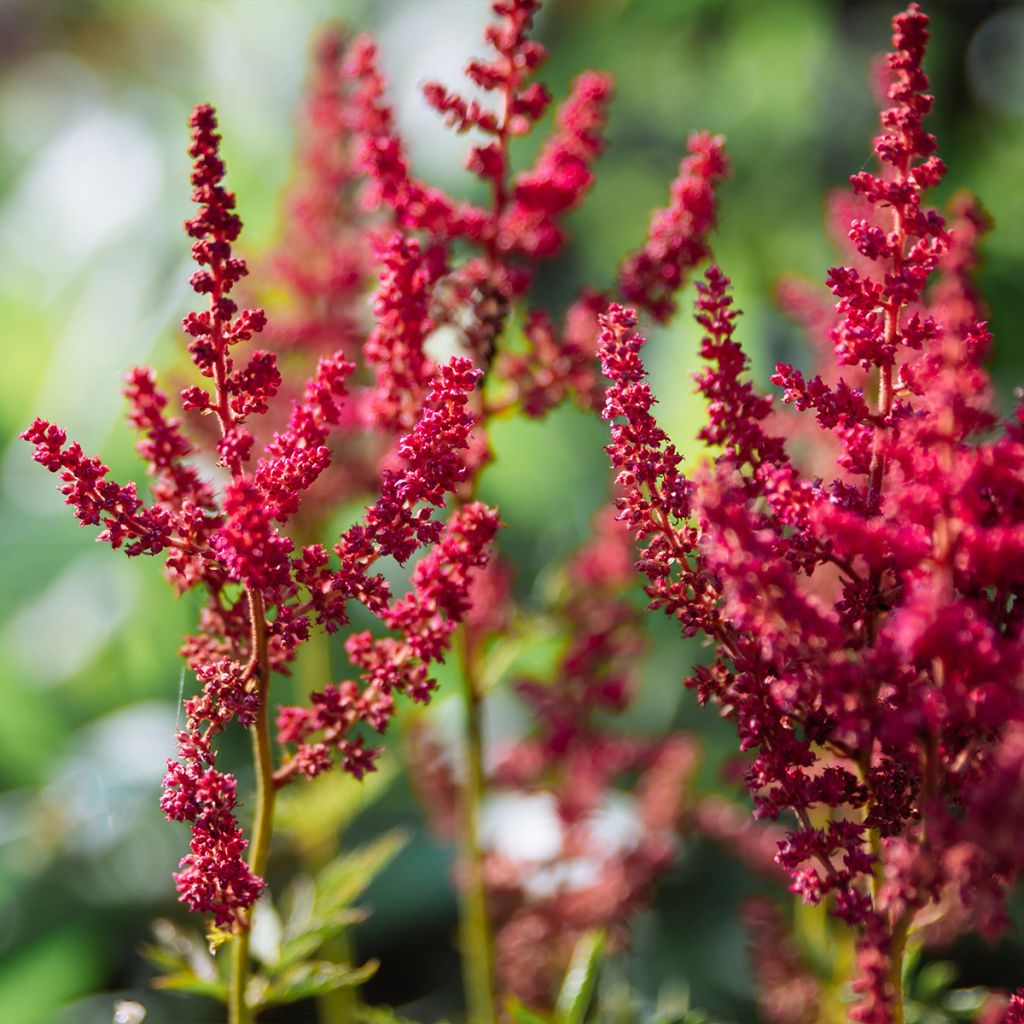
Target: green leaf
187 981
310 979
580 979
345 879
307 942
185 960
933 979
966 1002
266 934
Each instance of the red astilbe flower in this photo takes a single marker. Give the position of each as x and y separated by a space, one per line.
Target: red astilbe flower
97 500
677 238
239 538
866 646
562 173
239 393
524 223
1015 1011
425 618
323 258
382 157
295 458
394 349
213 877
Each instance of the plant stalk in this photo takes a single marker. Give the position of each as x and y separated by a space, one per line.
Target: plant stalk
474 925
263 820
897 949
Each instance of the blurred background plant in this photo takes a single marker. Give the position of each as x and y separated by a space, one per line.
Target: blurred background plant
93 102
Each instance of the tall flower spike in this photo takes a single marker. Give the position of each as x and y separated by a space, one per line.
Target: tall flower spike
322 258
394 348
677 237
866 649
238 393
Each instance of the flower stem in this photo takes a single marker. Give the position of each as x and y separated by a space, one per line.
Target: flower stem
263 820
897 948
474 925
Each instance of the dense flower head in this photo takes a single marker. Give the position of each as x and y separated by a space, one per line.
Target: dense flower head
231 541
322 258
96 499
911 243
253 551
382 157
213 877
865 645
562 173
424 620
481 259
239 393
677 236
295 457
394 349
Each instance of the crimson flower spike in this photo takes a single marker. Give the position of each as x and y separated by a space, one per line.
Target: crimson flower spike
866 648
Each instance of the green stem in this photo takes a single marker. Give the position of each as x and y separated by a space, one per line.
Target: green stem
474 925
897 949
263 820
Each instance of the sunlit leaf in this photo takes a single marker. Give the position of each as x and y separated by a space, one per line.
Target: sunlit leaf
313 978
580 979
186 981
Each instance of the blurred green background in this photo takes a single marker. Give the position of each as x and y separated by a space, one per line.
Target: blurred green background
94 98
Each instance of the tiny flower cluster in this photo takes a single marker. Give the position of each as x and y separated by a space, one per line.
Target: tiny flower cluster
868 647
219 545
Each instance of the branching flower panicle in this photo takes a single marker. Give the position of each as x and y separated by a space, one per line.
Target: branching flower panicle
866 648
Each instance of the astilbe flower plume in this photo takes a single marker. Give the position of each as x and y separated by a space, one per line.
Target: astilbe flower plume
524 223
263 595
867 643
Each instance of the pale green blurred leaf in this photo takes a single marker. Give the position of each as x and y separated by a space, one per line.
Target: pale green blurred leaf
314 813
580 979
314 978
186 981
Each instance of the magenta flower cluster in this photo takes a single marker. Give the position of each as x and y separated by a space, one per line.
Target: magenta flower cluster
214 542
855 558
863 616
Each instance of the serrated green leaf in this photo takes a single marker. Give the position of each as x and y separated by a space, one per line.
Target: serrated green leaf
186 981
313 978
317 932
580 979
345 879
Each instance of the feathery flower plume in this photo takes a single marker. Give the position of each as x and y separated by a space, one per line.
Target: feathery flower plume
866 648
